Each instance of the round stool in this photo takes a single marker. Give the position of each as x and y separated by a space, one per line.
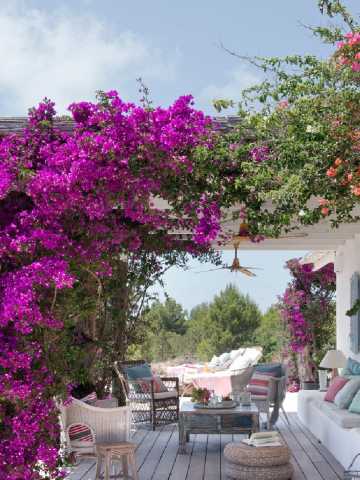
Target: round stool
122 451
258 463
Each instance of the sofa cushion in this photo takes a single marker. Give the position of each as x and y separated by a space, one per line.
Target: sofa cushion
352 368
344 418
344 397
355 404
335 386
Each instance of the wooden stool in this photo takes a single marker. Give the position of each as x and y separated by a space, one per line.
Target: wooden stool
121 451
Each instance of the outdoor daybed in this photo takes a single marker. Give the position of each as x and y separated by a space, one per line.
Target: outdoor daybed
337 429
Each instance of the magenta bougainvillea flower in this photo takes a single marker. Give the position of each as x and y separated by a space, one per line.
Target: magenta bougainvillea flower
68 199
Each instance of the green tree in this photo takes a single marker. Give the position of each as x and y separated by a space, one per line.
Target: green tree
271 335
166 325
227 323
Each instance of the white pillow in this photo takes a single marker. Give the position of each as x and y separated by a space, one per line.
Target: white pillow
236 353
239 363
214 362
224 358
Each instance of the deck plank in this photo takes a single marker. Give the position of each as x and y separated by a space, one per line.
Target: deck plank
213 458
167 461
158 459
148 469
224 439
336 466
182 462
197 462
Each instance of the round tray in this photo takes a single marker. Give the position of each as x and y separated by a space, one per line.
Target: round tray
218 406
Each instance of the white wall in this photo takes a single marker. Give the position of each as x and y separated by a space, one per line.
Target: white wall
347 262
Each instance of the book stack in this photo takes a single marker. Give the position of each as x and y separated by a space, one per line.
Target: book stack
264 439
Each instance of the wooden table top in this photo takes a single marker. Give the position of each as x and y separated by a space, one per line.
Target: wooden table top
187 407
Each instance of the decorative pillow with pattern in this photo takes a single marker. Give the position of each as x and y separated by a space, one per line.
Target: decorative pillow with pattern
90 399
80 433
145 385
259 384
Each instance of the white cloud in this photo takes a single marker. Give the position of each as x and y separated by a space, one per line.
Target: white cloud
67 58
237 80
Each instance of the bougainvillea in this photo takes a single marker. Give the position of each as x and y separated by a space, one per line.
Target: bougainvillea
125 180
308 309
296 151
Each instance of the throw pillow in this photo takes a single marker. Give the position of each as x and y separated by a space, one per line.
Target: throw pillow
138 371
274 369
352 368
90 399
144 385
335 386
259 384
344 397
80 433
355 404
224 358
239 364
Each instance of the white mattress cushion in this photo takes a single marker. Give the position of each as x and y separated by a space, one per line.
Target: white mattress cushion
342 417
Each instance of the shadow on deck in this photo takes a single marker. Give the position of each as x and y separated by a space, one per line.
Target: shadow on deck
157 457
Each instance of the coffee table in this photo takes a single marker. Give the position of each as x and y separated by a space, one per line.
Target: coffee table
241 419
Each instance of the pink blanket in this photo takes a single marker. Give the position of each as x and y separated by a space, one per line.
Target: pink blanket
221 384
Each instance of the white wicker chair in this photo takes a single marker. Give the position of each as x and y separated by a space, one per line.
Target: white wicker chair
105 425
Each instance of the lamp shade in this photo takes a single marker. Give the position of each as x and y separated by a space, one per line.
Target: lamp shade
333 359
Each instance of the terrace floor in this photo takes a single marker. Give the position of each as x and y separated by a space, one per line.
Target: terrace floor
157 456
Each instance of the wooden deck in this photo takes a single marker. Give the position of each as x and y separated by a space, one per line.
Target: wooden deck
157 456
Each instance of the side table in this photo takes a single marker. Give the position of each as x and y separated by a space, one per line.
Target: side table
121 451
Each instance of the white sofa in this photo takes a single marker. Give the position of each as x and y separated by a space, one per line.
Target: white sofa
337 429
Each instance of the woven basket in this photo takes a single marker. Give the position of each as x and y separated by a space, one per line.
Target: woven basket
243 472
242 454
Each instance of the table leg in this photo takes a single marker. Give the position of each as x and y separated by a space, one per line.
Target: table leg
182 436
255 423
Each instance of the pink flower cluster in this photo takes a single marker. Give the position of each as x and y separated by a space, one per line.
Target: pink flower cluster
306 287
260 154
349 51
124 176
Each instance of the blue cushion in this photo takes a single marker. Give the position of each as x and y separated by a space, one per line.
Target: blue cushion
138 371
352 368
355 404
273 369
345 396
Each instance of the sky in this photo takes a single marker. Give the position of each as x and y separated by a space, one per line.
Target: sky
68 50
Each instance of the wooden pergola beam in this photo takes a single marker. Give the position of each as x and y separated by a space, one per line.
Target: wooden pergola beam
10 125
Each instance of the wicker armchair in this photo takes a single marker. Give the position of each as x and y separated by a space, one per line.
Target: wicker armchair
102 424
273 402
149 406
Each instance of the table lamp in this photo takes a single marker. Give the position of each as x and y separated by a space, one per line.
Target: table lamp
333 360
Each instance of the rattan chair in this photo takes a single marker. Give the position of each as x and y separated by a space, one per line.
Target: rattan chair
156 408
273 402
103 424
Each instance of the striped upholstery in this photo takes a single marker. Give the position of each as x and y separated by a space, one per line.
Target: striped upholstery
259 383
80 433
90 399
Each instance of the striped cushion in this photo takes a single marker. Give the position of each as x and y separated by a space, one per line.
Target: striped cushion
90 399
259 383
80 433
